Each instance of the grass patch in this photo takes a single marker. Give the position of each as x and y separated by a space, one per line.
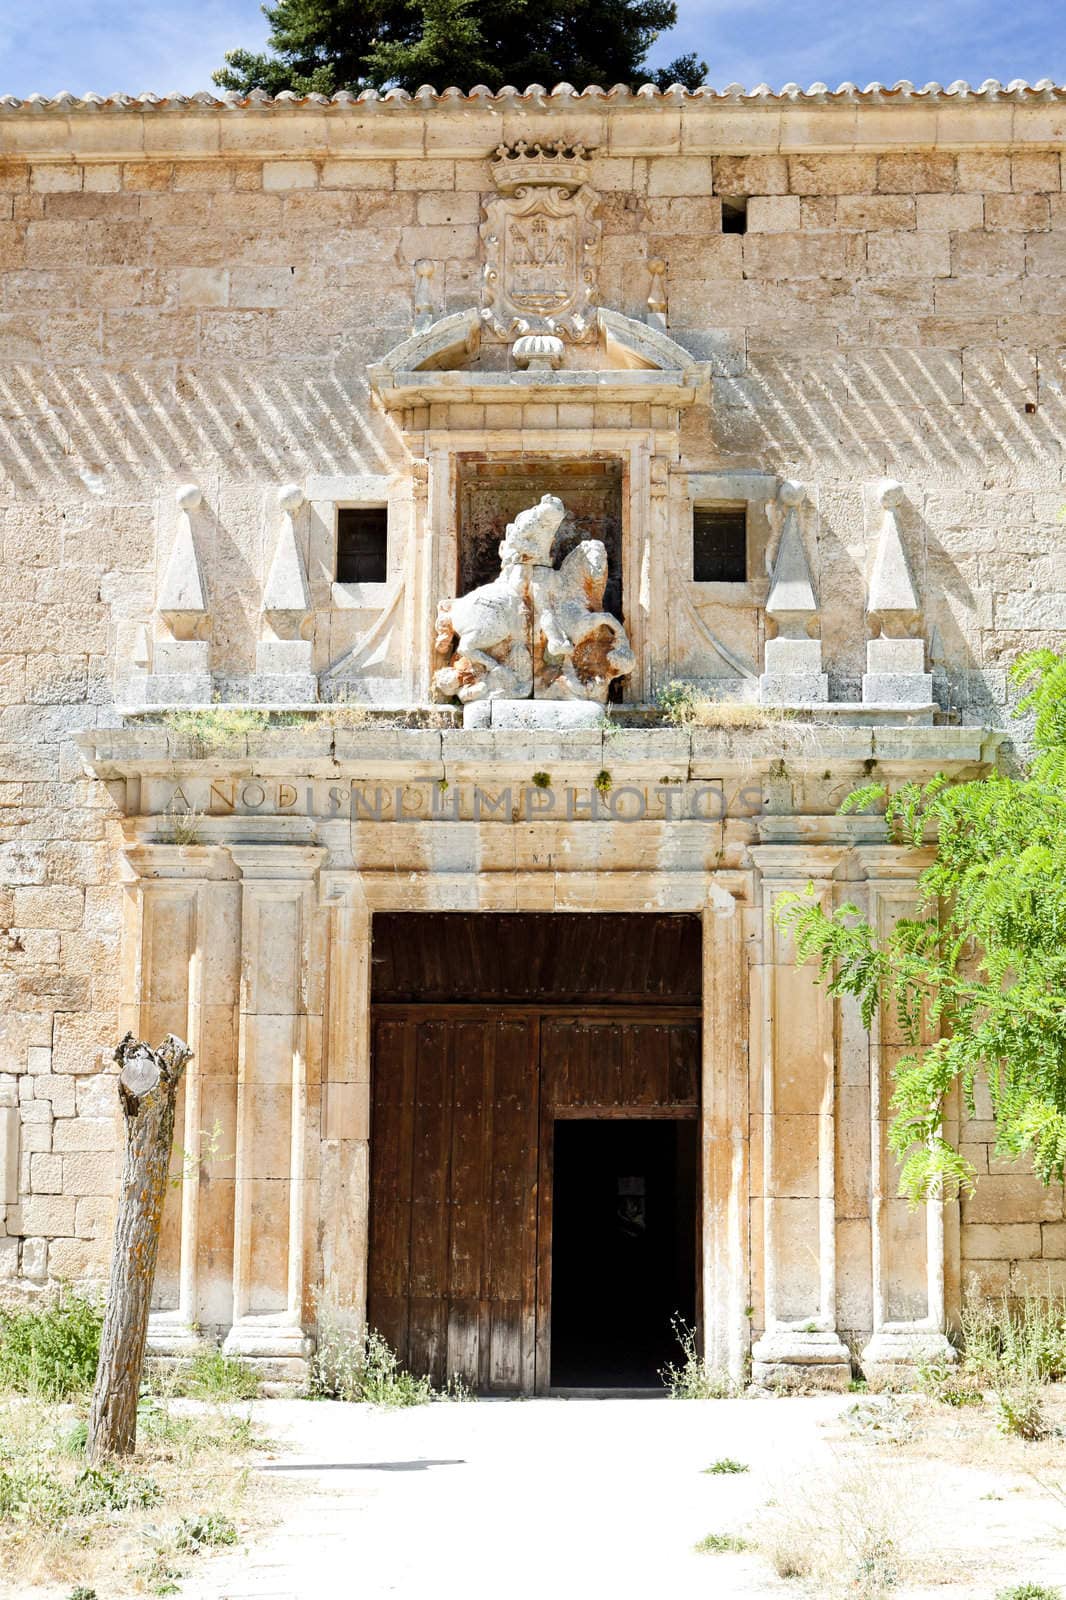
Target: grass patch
49 1350
124 1525
725 1466
720 1543
214 1376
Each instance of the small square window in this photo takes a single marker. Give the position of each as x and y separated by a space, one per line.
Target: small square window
734 214
720 545
362 544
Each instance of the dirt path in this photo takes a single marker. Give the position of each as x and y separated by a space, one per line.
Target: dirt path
601 1498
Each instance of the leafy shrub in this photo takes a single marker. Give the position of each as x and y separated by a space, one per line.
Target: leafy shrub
692 1378
1029 1591
717 1543
50 1349
80 1592
725 1465
199 1533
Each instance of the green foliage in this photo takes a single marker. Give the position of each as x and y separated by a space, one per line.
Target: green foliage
1029 1591
50 1349
692 1378
718 1543
977 977
726 1465
322 46
542 780
203 1532
603 781
80 1592
214 1376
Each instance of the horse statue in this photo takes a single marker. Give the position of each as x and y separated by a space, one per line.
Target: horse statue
534 630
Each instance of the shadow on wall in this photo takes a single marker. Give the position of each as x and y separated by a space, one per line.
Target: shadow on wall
104 429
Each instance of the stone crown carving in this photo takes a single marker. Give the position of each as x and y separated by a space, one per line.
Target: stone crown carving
534 631
554 162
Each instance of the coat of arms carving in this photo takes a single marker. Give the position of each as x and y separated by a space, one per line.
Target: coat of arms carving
541 241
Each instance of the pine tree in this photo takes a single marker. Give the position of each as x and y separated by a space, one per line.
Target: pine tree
322 46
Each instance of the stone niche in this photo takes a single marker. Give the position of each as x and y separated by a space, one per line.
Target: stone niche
493 492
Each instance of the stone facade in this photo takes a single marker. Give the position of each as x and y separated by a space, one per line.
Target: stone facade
221 321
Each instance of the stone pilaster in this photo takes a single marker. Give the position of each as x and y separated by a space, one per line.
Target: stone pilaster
724 1139
345 1180
908 1253
800 1345
185 922
277 1068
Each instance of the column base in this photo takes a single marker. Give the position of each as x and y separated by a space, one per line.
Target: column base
171 1334
788 1358
892 1357
279 1350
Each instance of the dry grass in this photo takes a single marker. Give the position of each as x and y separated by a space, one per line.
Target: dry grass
683 706
132 1528
843 1534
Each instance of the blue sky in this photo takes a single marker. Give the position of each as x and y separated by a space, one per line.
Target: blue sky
164 45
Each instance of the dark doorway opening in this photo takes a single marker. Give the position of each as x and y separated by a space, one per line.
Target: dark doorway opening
623 1249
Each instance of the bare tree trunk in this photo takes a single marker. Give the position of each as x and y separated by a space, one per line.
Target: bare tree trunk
147 1086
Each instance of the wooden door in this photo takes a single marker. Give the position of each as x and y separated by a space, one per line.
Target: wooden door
465 1099
453 1218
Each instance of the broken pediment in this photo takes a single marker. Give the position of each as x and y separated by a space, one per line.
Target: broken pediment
628 361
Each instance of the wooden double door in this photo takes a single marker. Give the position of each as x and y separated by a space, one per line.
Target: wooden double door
467 1100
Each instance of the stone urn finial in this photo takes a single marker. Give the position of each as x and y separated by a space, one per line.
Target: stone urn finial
538 352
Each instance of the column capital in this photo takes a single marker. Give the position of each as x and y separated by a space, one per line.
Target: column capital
798 863
256 861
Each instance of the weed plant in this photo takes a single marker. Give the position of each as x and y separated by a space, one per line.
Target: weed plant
352 1365
692 1378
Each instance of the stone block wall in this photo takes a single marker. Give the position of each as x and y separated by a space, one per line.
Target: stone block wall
196 296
